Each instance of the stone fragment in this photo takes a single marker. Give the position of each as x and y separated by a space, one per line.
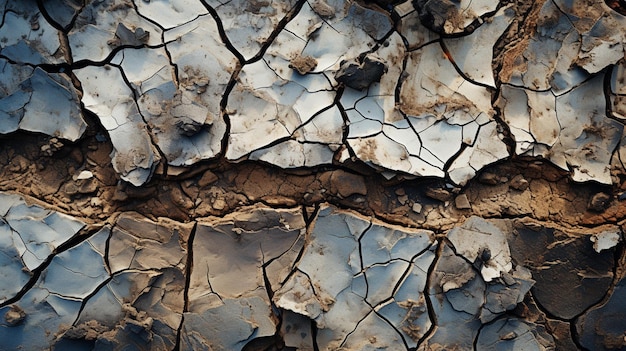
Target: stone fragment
207 178
489 178
302 64
462 202
452 17
360 75
519 183
605 240
599 202
439 194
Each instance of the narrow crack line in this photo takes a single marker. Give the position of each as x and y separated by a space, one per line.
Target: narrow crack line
223 109
107 60
345 339
314 330
404 341
147 19
189 266
293 12
361 254
48 18
83 234
430 276
89 296
149 128
345 128
188 269
449 57
222 32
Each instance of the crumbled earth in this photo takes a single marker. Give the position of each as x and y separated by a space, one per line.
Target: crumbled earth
312 175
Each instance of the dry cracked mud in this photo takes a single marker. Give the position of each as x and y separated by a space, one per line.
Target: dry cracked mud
312 175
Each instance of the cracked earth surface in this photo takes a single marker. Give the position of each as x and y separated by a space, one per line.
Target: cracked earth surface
312 175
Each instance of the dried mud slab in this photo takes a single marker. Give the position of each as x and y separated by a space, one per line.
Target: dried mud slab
312 175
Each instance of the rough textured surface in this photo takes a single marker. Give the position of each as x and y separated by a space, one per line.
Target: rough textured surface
312 175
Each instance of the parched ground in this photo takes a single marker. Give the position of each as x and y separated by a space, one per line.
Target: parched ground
312 175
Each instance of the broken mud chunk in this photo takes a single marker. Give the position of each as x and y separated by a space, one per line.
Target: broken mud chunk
488 178
519 183
599 202
359 76
188 126
126 36
440 194
322 8
14 316
435 13
462 202
303 64
618 6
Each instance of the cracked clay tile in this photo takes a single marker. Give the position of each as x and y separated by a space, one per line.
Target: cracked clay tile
263 104
134 157
139 309
55 299
477 238
37 232
470 52
557 258
466 288
103 26
453 17
572 40
455 328
411 28
204 69
170 14
63 12
277 232
27 38
249 24
514 334
186 128
618 91
345 303
229 326
588 137
601 30
602 327
571 130
37 101
139 243
266 243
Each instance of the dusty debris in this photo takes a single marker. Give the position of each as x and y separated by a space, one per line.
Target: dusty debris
303 64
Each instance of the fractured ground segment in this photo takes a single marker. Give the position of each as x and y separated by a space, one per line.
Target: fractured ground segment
265 175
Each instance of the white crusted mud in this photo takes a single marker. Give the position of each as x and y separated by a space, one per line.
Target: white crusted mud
312 175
